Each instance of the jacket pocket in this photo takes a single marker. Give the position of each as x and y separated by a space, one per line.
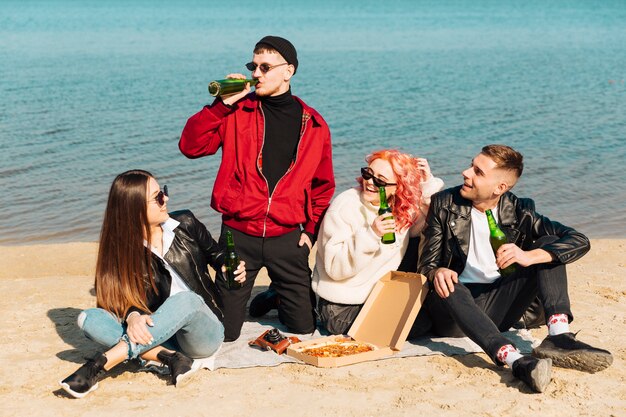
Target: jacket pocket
307 202
231 201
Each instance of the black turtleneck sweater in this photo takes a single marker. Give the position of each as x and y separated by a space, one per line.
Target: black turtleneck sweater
283 120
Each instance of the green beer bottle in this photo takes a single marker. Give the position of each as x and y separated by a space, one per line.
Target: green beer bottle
497 238
382 209
231 262
229 86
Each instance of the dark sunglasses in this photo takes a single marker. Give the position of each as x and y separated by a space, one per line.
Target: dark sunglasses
264 68
160 197
367 175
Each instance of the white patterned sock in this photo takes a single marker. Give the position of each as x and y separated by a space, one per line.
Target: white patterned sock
558 324
508 354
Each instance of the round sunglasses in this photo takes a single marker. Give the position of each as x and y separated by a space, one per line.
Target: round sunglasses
160 197
367 175
264 68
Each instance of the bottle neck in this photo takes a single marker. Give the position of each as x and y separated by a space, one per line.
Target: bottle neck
230 242
494 230
382 196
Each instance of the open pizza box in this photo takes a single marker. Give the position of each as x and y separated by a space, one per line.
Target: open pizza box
383 323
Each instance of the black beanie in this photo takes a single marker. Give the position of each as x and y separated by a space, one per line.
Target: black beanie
283 47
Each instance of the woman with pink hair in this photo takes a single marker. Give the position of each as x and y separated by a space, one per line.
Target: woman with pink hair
351 257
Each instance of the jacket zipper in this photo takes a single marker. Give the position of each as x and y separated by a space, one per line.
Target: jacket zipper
305 119
269 196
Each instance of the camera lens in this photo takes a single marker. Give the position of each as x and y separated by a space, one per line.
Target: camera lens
274 336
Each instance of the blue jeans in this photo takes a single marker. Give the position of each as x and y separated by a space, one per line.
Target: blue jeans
183 322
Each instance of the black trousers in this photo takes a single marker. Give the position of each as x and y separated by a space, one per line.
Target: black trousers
288 268
483 311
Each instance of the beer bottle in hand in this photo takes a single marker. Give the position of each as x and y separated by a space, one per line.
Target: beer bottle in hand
231 262
497 238
384 208
229 86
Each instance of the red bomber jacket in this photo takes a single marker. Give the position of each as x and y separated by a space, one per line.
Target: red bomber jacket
240 191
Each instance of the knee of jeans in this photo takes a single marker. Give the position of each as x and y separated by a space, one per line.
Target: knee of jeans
458 295
81 319
84 315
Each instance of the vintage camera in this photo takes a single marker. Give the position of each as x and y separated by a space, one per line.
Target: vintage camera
273 340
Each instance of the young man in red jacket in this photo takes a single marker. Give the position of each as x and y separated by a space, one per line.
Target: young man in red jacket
274 183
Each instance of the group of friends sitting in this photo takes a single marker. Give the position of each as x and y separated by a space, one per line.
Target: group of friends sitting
157 302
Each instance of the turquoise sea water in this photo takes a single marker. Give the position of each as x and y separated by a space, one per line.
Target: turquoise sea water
90 89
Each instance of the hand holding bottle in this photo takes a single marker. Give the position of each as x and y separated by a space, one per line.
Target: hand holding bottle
509 254
234 268
231 99
383 225
384 209
497 239
240 272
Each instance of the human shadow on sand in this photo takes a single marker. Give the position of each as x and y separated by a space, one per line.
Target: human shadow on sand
66 327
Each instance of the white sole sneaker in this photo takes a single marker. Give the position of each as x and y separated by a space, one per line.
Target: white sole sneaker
200 363
76 394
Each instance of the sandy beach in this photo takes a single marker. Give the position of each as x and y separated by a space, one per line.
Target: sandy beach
45 286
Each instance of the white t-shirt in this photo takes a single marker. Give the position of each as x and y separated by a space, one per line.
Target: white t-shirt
481 265
178 285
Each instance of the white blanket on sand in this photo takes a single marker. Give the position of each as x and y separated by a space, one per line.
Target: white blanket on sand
238 354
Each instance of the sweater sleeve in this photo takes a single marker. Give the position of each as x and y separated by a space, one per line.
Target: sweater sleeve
346 248
429 187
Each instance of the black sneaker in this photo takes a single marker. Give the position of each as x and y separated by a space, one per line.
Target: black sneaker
264 302
181 367
567 352
85 379
534 372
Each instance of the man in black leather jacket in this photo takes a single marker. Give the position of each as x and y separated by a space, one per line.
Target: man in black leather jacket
468 294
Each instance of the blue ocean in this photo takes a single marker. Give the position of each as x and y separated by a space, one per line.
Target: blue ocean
89 89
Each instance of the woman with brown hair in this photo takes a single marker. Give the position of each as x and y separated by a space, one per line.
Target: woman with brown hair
155 297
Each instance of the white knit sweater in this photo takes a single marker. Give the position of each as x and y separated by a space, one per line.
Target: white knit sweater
350 257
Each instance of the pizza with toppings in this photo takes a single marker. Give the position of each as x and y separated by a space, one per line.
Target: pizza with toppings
340 347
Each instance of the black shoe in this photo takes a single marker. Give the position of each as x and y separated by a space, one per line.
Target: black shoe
264 302
85 379
534 372
533 318
567 352
181 367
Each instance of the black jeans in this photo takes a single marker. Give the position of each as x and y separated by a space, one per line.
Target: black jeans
288 267
337 318
482 311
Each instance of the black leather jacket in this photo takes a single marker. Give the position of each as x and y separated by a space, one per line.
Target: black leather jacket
448 224
192 249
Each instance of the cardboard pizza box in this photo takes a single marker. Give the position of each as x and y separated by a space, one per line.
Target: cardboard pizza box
384 321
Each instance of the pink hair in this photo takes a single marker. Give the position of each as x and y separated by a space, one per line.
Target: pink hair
405 201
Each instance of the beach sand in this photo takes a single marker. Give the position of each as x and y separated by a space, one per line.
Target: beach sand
44 287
